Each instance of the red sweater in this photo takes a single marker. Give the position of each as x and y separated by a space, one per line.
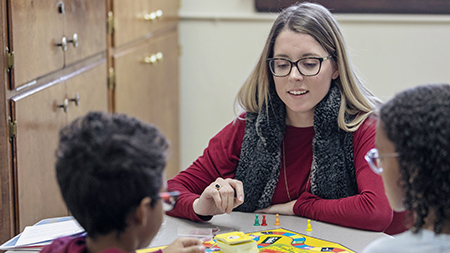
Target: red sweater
367 210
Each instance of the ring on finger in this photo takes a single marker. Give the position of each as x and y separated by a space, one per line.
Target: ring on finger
217 186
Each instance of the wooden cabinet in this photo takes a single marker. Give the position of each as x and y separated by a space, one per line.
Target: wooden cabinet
143 56
134 21
55 71
39 115
46 36
36 28
63 58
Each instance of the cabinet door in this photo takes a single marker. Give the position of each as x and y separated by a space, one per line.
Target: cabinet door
86 19
140 18
35 29
129 21
147 88
89 88
39 119
166 12
166 105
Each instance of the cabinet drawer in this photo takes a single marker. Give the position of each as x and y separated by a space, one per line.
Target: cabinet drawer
37 27
91 90
39 116
87 19
38 122
138 19
147 88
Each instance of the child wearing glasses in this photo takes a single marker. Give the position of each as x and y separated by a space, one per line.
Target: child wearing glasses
298 149
110 172
413 159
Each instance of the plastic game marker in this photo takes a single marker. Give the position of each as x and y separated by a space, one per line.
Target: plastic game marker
277 220
256 221
308 226
264 222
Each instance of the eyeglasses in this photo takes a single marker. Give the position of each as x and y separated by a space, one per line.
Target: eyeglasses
169 199
373 159
308 66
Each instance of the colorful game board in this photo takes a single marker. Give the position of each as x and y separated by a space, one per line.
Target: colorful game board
281 240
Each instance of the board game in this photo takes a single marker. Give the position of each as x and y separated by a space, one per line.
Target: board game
280 240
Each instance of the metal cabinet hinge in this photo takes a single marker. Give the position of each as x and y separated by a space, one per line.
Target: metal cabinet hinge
9 59
12 128
111 79
110 23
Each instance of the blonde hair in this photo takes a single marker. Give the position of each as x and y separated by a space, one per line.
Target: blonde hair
316 21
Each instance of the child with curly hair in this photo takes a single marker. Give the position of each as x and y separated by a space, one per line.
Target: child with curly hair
412 156
110 172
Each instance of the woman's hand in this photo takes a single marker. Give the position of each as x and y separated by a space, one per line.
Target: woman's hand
185 245
285 208
221 196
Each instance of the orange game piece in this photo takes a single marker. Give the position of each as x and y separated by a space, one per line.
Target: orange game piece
264 223
277 220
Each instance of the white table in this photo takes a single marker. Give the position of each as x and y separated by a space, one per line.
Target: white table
237 221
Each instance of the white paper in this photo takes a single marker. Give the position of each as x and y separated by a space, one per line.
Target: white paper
51 231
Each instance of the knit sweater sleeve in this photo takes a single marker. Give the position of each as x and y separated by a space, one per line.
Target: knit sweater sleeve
219 159
367 210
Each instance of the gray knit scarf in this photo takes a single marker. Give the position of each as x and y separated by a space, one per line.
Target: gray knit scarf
332 170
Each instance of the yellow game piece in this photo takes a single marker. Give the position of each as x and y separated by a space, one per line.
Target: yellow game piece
308 226
277 220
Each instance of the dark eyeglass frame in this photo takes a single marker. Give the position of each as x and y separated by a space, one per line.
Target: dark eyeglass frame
169 199
321 59
373 155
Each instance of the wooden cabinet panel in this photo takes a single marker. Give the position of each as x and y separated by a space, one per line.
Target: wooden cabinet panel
107 67
39 120
167 98
91 90
140 18
35 28
149 90
133 82
86 18
169 13
38 26
129 21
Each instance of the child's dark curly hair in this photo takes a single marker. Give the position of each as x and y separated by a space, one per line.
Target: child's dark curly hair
106 164
417 121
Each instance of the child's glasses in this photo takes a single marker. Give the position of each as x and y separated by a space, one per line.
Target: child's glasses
373 159
169 199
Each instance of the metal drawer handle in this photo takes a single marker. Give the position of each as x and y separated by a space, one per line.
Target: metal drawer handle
153 16
154 58
159 56
76 99
150 59
63 44
150 16
159 14
65 105
61 8
74 41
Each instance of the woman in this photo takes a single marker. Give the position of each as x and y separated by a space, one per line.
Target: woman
413 144
300 150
